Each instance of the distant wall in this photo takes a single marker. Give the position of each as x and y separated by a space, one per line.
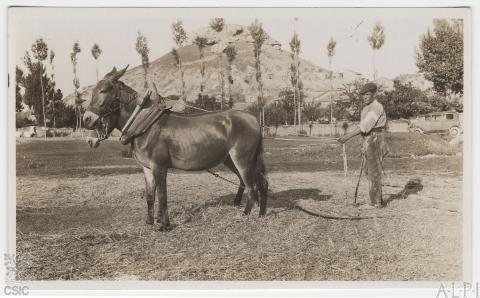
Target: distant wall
397 126
39 132
327 130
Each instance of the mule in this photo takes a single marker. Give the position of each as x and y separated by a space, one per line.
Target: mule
186 142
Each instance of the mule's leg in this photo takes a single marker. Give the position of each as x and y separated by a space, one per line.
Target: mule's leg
262 185
261 179
238 198
252 198
149 194
161 179
245 167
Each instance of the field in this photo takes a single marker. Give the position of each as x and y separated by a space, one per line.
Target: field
81 216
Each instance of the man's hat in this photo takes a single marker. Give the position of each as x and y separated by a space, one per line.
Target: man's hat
369 87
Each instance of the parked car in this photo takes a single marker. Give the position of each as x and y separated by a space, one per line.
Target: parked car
438 122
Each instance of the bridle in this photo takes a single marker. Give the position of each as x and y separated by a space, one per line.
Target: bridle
116 104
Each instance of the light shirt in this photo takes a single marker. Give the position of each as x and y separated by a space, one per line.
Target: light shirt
372 116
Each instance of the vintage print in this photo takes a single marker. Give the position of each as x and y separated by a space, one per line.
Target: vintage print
239 144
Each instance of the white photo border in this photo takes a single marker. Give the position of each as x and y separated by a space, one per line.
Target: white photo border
347 289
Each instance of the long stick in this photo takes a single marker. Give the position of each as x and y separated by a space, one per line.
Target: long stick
359 177
345 170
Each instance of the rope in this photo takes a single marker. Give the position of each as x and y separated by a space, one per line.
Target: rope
329 216
297 206
225 179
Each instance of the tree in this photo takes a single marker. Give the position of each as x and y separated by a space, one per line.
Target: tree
76 84
351 106
330 53
285 98
179 37
312 112
66 116
440 55
274 115
142 49
259 36
96 52
295 73
40 52
55 106
221 79
32 96
178 65
28 79
18 96
52 81
217 24
231 53
402 102
406 101
376 40
201 43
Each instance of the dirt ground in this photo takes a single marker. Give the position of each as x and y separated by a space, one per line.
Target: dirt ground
81 216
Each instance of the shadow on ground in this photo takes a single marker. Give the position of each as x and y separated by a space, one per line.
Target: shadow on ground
282 199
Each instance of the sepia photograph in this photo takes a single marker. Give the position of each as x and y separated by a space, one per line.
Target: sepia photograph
239 144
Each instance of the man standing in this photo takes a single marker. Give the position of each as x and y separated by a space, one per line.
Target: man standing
372 128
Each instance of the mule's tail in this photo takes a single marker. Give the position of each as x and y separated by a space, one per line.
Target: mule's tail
261 177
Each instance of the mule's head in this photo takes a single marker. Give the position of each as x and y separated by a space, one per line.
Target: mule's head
103 112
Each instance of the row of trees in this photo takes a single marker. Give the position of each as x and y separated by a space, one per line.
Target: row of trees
179 37
40 93
402 102
439 56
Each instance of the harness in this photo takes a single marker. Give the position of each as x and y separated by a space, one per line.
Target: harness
115 105
142 122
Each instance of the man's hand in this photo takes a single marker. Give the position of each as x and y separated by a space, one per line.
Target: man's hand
349 135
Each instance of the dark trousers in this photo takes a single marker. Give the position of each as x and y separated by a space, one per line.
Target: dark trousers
374 151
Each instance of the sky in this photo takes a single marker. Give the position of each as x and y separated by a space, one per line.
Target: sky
115 30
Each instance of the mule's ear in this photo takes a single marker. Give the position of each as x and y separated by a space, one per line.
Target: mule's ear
120 73
114 70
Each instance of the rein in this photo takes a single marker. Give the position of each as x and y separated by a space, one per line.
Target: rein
120 105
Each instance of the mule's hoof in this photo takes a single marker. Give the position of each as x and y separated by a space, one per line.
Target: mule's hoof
164 228
236 203
245 213
149 221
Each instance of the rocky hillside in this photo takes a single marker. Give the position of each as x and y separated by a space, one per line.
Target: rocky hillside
275 64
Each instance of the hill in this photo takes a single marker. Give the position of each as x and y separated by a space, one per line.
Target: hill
275 63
